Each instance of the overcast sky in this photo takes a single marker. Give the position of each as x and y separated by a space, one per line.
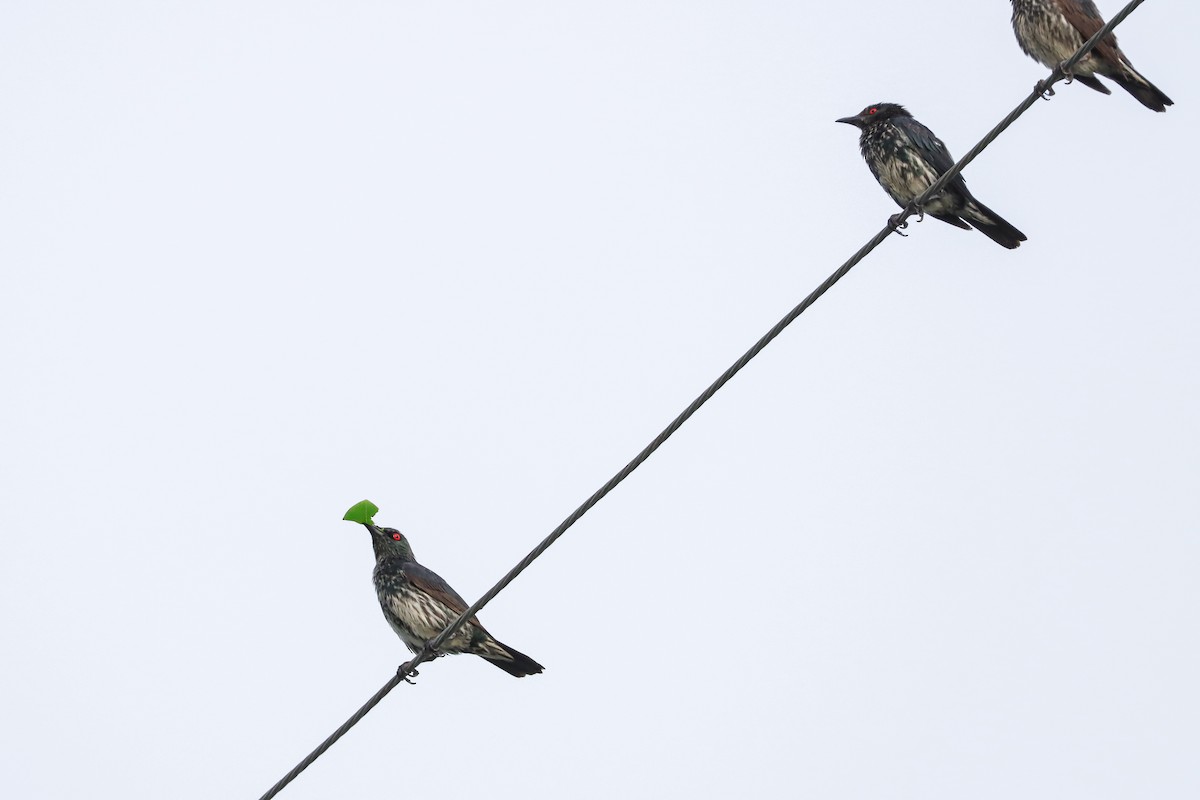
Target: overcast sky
262 260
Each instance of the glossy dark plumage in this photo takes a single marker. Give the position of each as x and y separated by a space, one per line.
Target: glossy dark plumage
419 605
906 158
1050 31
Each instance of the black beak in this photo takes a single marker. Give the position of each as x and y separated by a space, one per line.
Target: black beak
856 121
373 530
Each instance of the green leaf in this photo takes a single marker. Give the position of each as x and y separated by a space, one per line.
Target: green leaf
362 512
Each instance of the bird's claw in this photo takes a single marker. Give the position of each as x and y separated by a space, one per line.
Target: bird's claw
1045 89
1068 75
896 224
407 674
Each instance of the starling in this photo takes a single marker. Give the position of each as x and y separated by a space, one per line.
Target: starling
906 158
1050 31
419 605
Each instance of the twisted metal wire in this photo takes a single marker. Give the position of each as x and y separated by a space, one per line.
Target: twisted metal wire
1060 72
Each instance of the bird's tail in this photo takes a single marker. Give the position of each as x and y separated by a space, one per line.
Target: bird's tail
992 225
1093 83
1146 92
513 662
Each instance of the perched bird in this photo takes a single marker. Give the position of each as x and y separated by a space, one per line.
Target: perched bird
419 605
906 158
1050 31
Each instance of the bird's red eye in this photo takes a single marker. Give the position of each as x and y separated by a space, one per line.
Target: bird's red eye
397 536
872 110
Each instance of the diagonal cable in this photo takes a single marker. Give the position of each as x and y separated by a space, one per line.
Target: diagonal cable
409 667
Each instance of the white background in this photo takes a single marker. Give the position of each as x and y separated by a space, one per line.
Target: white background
264 259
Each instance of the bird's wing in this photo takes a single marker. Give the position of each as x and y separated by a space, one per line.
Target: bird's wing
1085 18
931 147
432 584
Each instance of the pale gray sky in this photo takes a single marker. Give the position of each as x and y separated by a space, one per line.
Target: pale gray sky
262 260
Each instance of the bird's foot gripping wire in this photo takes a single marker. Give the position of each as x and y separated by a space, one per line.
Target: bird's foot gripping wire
897 223
407 673
1045 88
1067 74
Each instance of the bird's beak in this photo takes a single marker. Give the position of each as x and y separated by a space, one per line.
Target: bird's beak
855 121
373 530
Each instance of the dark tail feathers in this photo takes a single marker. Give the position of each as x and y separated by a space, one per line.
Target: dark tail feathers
992 225
1093 83
1146 92
518 664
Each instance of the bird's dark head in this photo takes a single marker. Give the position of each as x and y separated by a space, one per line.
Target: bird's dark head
390 542
874 114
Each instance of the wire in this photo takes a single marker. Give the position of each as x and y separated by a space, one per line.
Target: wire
409 667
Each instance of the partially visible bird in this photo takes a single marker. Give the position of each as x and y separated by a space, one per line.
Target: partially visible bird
1050 31
419 605
906 158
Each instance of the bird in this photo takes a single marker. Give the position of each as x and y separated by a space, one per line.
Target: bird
419 605
906 158
1050 31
